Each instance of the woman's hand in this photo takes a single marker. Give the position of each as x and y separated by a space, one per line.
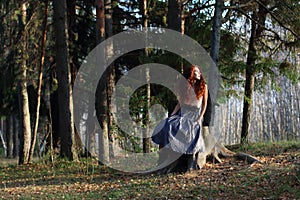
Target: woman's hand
200 120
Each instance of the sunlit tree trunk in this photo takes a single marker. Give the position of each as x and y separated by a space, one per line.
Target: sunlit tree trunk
296 111
281 116
146 135
228 122
237 127
25 115
90 133
111 73
259 118
40 80
182 16
291 111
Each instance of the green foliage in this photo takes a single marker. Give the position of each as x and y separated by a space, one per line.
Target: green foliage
288 70
157 13
2 153
269 148
13 56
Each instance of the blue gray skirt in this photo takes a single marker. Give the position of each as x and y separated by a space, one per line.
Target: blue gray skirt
181 132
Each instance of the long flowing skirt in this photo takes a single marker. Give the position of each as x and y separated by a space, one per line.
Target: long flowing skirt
181 132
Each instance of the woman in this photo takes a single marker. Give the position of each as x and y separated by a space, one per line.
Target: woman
181 132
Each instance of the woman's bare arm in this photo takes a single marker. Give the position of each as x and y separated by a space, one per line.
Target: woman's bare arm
177 107
204 104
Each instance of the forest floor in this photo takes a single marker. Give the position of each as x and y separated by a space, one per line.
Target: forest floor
277 177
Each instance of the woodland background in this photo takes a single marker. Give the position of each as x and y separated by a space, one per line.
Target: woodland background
255 44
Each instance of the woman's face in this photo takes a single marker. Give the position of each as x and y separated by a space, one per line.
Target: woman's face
197 73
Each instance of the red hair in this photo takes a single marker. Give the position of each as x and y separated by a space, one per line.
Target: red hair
199 85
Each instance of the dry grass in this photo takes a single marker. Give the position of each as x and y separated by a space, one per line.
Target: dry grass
278 177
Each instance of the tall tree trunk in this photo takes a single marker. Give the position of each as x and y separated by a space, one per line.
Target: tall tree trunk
263 118
297 99
65 98
40 81
237 127
257 27
101 101
182 17
249 86
146 138
174 15
25 115
73 51
291 110
9 136
16 137
112 128
1 135
55 120
90 131
216 31
295 111
73 58
208 118
49 134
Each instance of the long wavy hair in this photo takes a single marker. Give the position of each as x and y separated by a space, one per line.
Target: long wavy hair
198 85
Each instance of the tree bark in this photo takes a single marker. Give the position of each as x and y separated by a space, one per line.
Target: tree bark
65 98
146 135
9 137
49 135
101 101
257 27
174 15
15 137
73 51
1 135
90 131
249 84
111 75
40 81
208 118
25 115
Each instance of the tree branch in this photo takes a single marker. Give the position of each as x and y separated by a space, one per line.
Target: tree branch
190 12
227 16
240 6
257 22
278 20
4 15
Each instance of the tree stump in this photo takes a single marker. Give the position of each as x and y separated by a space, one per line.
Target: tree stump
186 163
